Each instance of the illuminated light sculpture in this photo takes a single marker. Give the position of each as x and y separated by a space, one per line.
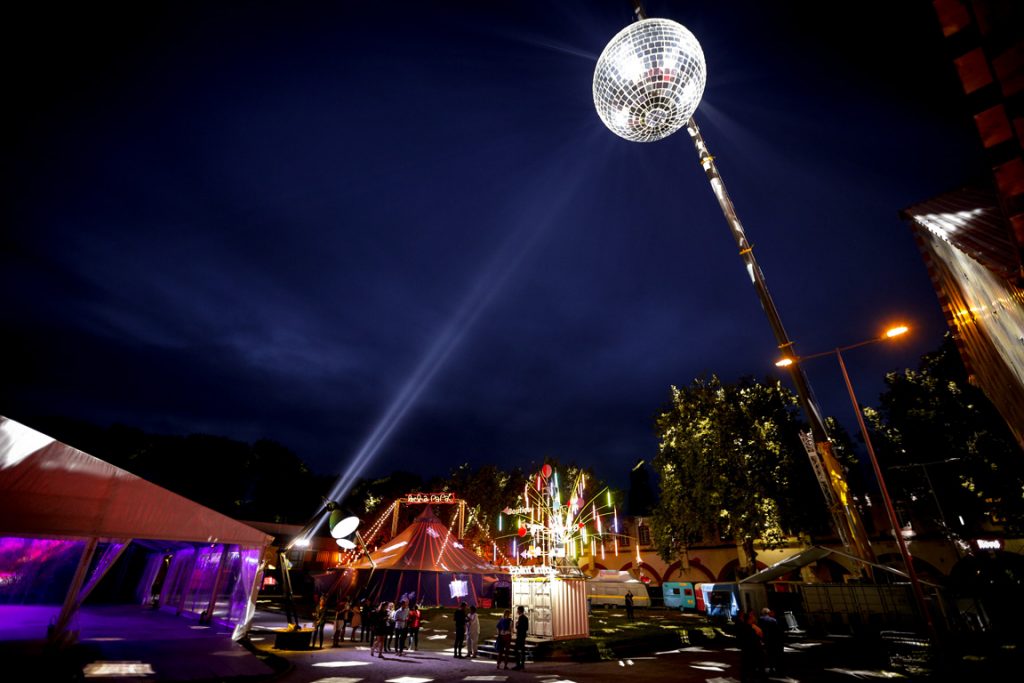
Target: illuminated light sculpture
630 101
554 528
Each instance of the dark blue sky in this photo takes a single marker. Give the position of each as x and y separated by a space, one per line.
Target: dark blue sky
272 220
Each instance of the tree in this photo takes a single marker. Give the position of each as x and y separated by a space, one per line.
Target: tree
370 498
731 465
941 439
487 490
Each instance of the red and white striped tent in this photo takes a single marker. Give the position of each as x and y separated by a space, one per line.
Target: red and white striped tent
427 564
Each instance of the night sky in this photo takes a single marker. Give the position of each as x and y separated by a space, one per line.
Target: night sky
400 230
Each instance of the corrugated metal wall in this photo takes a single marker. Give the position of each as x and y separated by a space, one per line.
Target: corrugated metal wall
557 608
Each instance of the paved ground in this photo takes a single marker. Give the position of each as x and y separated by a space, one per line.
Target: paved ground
129 644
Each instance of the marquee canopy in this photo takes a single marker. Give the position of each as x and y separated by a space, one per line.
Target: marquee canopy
51 489
60 507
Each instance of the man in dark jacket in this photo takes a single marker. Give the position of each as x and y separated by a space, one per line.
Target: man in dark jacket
460 628
522 628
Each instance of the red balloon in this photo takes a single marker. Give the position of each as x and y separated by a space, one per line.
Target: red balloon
522 531
546 471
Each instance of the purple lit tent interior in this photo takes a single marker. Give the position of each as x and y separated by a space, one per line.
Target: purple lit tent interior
427 562
73 526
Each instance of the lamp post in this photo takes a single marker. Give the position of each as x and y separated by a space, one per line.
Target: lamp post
890 511
647 83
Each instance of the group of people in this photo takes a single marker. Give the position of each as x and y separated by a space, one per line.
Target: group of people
467 635
504 638
762 642
395 629
354 615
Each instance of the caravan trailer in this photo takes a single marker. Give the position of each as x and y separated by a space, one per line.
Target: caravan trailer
679 595
609 588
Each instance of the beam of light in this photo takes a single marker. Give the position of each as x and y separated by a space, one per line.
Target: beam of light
490 282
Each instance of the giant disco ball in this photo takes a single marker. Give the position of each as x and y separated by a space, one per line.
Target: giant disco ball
649 80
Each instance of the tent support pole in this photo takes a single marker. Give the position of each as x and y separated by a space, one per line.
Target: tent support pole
217 582
58 633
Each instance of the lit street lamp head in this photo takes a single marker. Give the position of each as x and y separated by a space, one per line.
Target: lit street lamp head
649 80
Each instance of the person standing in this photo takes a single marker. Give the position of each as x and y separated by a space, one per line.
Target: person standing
413 626
379 623
748 635
366 613
504 639
401 619
319 622
774 641
389 631
472 631
354 618
629 605
460 629
340 608
522 628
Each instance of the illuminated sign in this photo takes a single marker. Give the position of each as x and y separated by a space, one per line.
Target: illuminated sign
446 498
517 511
985 544
531 570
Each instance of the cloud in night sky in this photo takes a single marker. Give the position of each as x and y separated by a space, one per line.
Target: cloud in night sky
258 221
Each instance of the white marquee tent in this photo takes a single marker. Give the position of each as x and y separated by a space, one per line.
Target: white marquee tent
60 507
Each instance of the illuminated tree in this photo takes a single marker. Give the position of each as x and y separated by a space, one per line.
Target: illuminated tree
941 439
731 466
487 489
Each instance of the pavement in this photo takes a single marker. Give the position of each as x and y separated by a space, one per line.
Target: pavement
130 644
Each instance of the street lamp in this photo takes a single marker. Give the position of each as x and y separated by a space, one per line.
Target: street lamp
795 361
648 82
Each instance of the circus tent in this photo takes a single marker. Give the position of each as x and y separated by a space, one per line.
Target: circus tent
426 563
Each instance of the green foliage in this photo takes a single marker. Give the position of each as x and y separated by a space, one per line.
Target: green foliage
731 465
369 498
931 423
487 490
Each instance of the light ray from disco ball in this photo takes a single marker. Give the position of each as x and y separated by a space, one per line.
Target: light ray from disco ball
649 80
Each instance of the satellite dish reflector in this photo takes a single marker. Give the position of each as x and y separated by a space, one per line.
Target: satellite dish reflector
346 544
344 527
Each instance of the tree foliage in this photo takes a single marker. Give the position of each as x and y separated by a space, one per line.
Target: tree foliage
487 490
731 465
932 424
